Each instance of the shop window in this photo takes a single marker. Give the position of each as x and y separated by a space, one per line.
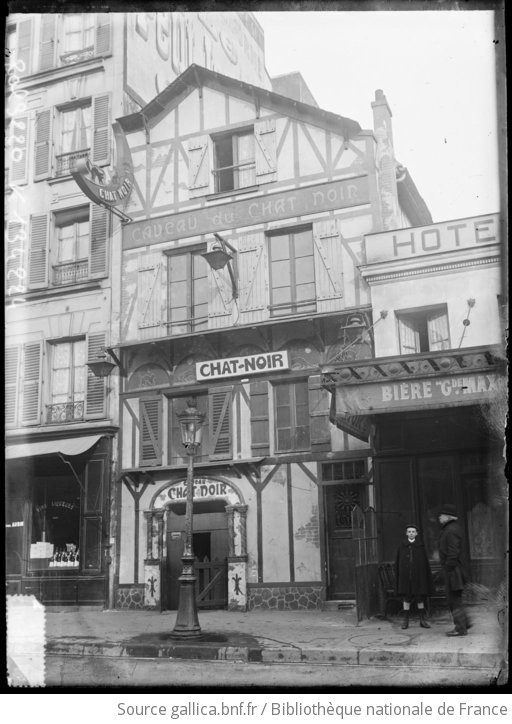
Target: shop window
188 293
55 525
72 235
67 389
292 272
291 411
234 161
423 330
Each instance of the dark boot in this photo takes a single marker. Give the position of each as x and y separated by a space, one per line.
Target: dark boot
405 623
423 621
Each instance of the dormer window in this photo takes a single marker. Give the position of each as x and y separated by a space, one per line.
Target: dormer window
235 165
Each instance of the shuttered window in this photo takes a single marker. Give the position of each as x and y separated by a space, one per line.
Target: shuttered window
42 144
292 272
67 387
47 41
291 414
188 293
150 451
23 48
265 150
17 151
199 166
221 444
95 401
319 408
15 264
423 330
234 161
31 384
98 255
259 418
38 252
101 132
12 365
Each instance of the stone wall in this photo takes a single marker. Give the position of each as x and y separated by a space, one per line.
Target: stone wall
286 598
130 597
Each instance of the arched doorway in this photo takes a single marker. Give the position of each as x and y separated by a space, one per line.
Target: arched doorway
211 548
220 544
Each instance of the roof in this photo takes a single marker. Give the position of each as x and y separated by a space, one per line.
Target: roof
195 76
410 199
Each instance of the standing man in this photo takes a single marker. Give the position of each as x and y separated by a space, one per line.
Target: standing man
413 574
455 575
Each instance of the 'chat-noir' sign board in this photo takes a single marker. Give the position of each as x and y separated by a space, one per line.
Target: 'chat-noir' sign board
241 366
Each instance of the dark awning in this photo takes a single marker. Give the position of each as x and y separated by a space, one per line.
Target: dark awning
68 447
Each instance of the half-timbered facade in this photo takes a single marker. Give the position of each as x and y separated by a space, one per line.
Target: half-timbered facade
240 281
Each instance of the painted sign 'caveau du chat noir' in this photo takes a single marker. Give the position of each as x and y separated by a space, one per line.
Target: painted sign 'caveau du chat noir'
297 202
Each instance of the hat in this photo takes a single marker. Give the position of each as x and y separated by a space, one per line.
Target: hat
448 509
412 525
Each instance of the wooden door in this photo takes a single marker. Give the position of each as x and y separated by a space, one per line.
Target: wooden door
339 502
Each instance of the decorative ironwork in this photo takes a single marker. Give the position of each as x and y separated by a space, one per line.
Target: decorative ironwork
66 162
345 501
71 272
65 412
76 56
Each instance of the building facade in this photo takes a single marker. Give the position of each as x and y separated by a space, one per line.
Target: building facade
68 77
435 393
240 281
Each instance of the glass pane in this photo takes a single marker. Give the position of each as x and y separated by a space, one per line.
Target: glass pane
79 352
281 296
62 355
301 393
178 294
279 247
83 240
61 382
79 383
200 267
303 243
178 268
66 244
282 394
200 293
284 440
280 273
305 291
91 556
283 417
302 437
304 270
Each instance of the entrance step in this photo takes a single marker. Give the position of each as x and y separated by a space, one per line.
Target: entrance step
346 605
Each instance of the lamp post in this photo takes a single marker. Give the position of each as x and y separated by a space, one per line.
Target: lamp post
187 623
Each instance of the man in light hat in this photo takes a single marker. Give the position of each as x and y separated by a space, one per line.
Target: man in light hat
455 575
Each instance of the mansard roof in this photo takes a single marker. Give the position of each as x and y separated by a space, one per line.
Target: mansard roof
195 76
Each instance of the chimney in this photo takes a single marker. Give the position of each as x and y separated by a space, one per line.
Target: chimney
385 161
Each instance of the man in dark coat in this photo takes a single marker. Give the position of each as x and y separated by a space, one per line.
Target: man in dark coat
453 567
413 575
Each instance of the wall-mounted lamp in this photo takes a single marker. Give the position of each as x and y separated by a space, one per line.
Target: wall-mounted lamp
219 254
101 366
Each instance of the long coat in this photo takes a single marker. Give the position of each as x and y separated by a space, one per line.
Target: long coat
451 556
413 574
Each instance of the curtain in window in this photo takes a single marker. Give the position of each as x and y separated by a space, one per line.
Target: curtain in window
438 336
68 372
409 336
78 31
76 126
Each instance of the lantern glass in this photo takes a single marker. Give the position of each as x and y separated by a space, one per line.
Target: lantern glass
191 421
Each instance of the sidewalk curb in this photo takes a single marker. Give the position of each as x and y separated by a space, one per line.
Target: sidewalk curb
287 654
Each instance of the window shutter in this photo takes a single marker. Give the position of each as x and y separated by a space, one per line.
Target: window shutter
47 44
220 298
150 431
38 252
15 272
438 335
101 129
12 365
102 33
252 275
18 150
409 336
95 396
319 407
328 264
260 442
199 166
265 150
42 145
220 423
31 383
98 243
24 49
149 296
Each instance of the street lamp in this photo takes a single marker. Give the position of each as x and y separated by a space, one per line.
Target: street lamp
187 623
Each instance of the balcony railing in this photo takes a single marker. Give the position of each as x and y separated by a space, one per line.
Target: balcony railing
75 56
65 412
70 273
66 162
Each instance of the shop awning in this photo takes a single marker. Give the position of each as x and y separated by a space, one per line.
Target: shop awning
68 447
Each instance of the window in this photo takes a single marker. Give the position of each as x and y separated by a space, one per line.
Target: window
344 470
75 137
234 161
177 453
72 237
78 36
291 416
55 524
188 293
67 390
292 273
423 330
